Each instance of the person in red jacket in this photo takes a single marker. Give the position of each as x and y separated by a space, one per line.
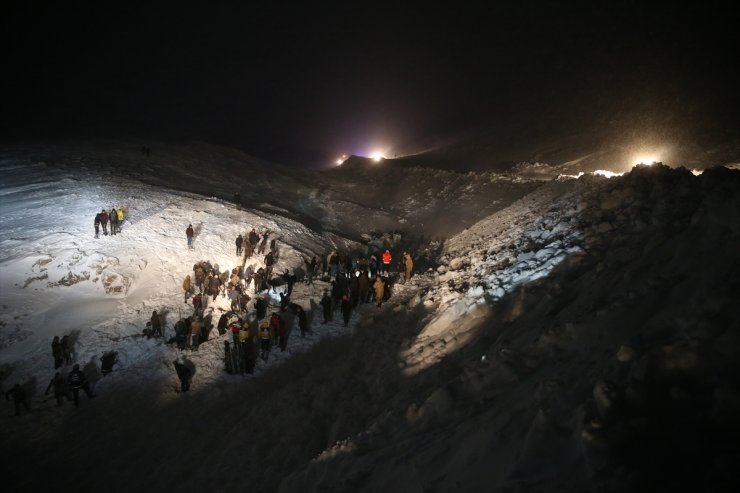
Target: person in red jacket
386 262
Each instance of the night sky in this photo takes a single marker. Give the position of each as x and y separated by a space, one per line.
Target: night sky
302 84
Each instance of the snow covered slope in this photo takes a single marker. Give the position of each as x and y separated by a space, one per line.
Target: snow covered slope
576 335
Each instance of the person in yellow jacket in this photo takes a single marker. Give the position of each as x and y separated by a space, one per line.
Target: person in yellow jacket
119 214
244 332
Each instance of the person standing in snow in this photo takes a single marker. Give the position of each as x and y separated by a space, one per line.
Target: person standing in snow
56 352
310 267
363 286
113 216
260 307
195 327
239 244
214 285
19 398
189 234
253 238
264 340
223 321
346 309
302 319
274 248
326 306
243 300
97 225
238 200
258 279
60 388
246 247
234 297
156 324
262 243
373 266
107 361
77 380
104 221
200 276
386 262
269 262
119 221
183 373
408 264
247 349
187 286
290 280
379 287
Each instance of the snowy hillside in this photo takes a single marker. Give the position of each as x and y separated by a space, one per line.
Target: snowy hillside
577 335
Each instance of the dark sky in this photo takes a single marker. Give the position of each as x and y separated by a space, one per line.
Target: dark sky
301 84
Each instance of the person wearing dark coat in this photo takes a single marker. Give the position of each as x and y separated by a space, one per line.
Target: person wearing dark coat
189 233
239 244
60 388
56 351
183 373
269 263
97 225
19 398
222 323
290 280
107 361
284 301
113 216
77 380
104 221
214 287
363 286
311 268
346 309
253 238
156 324
302 320
326 306
260 307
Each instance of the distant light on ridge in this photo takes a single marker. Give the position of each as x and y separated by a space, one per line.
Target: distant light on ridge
646 160
376 156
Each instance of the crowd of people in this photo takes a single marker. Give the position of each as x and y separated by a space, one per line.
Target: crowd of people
351 280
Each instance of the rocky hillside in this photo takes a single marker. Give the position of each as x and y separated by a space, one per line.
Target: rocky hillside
582 339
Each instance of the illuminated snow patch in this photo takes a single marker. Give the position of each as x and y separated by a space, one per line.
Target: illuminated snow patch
606 173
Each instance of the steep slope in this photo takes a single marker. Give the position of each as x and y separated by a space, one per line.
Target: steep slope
582 339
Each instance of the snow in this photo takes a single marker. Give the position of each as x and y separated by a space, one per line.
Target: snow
571 334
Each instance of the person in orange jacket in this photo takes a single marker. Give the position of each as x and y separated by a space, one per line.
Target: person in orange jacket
386 261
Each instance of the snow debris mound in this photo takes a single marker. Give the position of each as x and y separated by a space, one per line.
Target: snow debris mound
606 356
